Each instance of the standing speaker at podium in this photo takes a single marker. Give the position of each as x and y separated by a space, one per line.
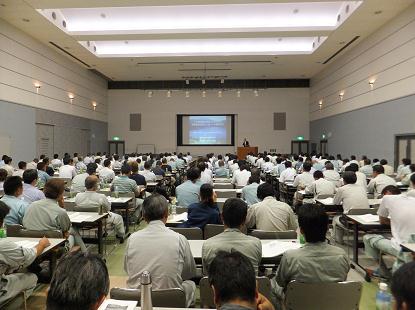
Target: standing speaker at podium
245 143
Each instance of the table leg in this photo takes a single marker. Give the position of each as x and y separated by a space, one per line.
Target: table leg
356 243
52 261
100 237
127 218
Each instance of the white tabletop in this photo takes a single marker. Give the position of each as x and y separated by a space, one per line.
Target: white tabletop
222 180
221 183
88 217
409 246
365 219
32 242
177 219
329 201
110 199
237 190
270 248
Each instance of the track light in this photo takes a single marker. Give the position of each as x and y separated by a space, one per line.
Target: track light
341 95
71 98
220 94
150 94
238 94
37 85
372 83
187 94
204 94
320 104
168 94
94 105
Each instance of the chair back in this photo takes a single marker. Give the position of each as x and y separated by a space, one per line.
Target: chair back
338 295
226 194
362 211
165 298
17 230
212 230
262 234
86 209
193 233
222 186
206 293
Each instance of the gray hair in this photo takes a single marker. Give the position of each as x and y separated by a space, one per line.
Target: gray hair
155 207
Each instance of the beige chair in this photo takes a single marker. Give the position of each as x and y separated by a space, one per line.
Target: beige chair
262 234
193 233
206 293
323 296
166 298
212 230
226 194
17 230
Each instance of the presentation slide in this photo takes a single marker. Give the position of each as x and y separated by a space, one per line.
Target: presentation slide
206 129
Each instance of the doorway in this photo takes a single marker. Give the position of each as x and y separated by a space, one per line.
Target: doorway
116 147
323 147
298 147
404 148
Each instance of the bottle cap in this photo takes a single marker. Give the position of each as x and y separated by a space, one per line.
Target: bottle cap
145 278
383 286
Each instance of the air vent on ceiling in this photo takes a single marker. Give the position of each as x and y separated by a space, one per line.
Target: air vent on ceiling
69 54
341 50
203 62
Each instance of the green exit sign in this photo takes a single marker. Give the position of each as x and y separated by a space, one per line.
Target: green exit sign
116 138
300 138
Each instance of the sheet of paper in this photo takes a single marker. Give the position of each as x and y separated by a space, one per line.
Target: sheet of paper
276 248
180 217
78 217
27 244
327 201
112 304
368 218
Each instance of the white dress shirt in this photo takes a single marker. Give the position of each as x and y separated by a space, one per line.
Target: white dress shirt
67 172
287 175
240 178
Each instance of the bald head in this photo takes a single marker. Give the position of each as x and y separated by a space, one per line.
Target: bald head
91 183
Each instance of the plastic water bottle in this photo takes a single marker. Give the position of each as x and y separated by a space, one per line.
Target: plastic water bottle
145 288
3 233
383 298
173 208
116 194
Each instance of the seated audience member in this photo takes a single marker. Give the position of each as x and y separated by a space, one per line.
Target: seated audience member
288 174
221 171
106 174
80 165
204 212
270 214
233 239
316 261
249 192
166 167
267 166
205 176
172 163
13 258
398 211
317 165
232 278
361 178
116 164
32 164
157 170
331 175
67 171
403 169
43 177
49 214
367 168
403 287
170 268
123 183
91 199
56 162
407 179
8 166
320 185
78 182
98 163
304 179
49 170
30 192
80 281
148 175
188 192
240 177
3 177
388 169
379 181
137 177
22 167
13 189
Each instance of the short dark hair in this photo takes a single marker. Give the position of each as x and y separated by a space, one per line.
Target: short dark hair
22 164
54 188
383 162
378 169
318 174
125 169
329 165
392 189
233 277
147 165
107 162
7 160
352 167
406 161
412 178
403 286
313 221
41 165
265 190
206 193
3 175
80 281
155 207
91 168
234 212
287 164
29 176
4 210
349 177
307 166
91 182
412 167
12 184
66 160
193 174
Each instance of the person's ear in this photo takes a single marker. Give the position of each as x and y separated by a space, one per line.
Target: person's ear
405 306
99 302
301 231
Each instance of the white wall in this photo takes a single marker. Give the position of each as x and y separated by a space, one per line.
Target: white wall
254 117
388 56
24 61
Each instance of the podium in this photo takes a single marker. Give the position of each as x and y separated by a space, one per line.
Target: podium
243 151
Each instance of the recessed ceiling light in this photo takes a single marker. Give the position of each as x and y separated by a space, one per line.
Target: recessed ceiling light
26 20
54 15
296 11
103 15
64 24
126 42
279 39
378 12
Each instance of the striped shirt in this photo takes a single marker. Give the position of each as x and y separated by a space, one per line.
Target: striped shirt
124 184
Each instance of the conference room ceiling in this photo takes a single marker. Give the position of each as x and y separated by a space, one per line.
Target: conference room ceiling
195 39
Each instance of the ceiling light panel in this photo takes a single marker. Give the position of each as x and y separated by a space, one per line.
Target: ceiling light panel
203 47
254 17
